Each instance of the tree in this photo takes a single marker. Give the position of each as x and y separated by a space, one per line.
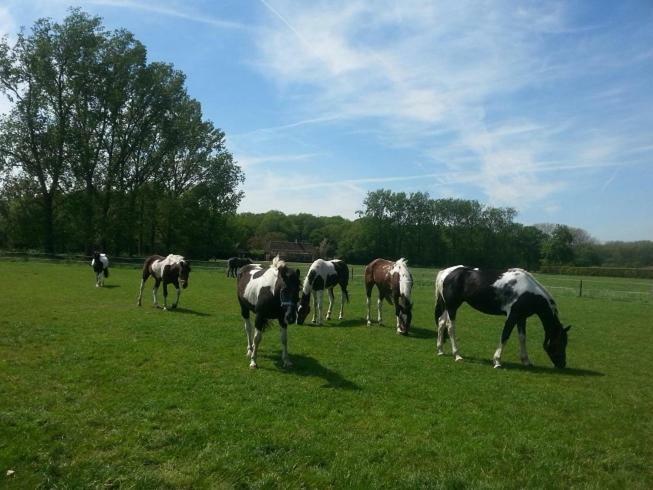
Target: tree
558 248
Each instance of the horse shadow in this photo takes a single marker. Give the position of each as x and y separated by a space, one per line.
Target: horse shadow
536 369
309 366
110 286
188 311
421 333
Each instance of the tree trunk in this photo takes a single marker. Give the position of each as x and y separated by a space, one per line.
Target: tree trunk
48 223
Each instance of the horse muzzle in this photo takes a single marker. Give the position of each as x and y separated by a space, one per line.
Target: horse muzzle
184 284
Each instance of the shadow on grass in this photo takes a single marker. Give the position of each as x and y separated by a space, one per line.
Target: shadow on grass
187 311
534 369
309 366
110 286
421 333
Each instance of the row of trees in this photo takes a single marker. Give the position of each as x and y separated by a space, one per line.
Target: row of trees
102 148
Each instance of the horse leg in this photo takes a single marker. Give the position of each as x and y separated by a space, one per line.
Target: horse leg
505 335
451 328
442 325
330 293
165 295
155 290
342 304
140 291
178 291
284 347
523 353
248 330
259 322
319 295
379 306
314 307
97 279
368 293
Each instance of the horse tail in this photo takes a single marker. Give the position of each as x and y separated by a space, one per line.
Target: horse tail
344 290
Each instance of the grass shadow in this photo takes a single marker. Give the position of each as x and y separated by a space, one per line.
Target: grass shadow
534 369
110 286
421 333
309 366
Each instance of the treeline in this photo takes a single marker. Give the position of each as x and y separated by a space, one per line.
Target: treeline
436 232
102 149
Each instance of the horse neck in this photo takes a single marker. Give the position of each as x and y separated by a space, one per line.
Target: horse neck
548 316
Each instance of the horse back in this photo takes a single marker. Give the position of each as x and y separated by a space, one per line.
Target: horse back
147 266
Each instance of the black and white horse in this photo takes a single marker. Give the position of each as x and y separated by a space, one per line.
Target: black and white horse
394 282
270 293
173 269
323 275
514 293
100 264
235 263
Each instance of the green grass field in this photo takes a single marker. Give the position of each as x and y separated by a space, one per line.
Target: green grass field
95 392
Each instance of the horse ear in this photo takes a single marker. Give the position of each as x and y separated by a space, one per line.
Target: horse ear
568 328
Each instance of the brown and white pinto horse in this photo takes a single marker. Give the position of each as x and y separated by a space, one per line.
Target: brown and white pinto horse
323 274
394 282
514 293
173 269
270 293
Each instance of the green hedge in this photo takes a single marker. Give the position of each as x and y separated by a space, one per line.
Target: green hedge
597 271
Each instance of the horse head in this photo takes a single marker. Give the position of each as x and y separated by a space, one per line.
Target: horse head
404 312
288 286
304 308
555 345
184 272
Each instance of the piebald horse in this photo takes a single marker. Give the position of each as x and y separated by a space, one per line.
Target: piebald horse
100 264
514 293
323 274
235 263
270 294
394 282
173 269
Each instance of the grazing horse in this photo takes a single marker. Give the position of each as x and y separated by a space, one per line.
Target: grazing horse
514 293
100 264
235 263
173 269
270 293
323 275
394 282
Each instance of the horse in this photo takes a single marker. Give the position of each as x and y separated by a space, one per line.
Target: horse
100 264
270 293
514 293
394 282
235 263
173 269
323 275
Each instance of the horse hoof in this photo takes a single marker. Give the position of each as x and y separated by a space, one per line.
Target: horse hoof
440 353
369 323
458 358
287 364
340 317
497 365
252 365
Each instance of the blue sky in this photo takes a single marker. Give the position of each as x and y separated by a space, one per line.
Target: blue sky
543 106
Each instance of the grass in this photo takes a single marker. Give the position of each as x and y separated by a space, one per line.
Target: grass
95 392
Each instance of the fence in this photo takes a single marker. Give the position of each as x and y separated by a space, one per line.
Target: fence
619 289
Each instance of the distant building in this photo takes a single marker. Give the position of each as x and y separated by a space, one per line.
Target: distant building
292 251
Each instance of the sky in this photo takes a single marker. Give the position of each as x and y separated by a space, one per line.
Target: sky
546 107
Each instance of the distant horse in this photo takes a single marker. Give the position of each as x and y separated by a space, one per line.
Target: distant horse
235 263
100 264
514 293
270 293
173 269
394 282
323 275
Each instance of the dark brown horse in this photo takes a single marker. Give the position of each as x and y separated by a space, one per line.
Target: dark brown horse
394 282
173 269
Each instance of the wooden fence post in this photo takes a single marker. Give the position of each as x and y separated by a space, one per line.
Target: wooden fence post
580 289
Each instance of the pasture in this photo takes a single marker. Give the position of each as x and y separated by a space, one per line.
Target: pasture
95 392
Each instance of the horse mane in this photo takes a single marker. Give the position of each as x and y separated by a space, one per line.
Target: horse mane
278 263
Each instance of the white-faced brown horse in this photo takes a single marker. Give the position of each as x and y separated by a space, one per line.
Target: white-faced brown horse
394 282
323 274
514 293
270 294
173 269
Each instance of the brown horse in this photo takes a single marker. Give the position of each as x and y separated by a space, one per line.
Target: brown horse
394 282
173 269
